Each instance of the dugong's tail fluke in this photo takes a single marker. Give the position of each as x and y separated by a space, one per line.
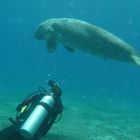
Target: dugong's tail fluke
136 58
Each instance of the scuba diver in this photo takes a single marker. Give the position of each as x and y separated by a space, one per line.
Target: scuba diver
35 115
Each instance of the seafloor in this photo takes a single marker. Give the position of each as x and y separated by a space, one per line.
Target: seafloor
85 118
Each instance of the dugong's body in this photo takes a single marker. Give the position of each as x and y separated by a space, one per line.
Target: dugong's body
79 35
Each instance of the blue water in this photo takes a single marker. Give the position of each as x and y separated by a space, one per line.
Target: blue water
101 96
26 63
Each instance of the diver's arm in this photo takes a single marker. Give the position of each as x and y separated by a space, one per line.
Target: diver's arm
51 122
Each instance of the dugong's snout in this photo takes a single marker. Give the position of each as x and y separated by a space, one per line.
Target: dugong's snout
39 33
36 35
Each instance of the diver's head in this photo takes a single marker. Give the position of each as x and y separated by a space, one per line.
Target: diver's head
55 88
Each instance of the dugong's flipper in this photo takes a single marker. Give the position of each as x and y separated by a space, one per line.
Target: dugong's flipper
51 43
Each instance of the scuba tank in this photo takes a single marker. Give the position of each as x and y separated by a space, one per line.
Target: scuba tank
34 121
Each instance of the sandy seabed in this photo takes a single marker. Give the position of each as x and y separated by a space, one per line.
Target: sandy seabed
84 119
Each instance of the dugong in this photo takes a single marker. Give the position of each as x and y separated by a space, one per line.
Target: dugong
75 34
